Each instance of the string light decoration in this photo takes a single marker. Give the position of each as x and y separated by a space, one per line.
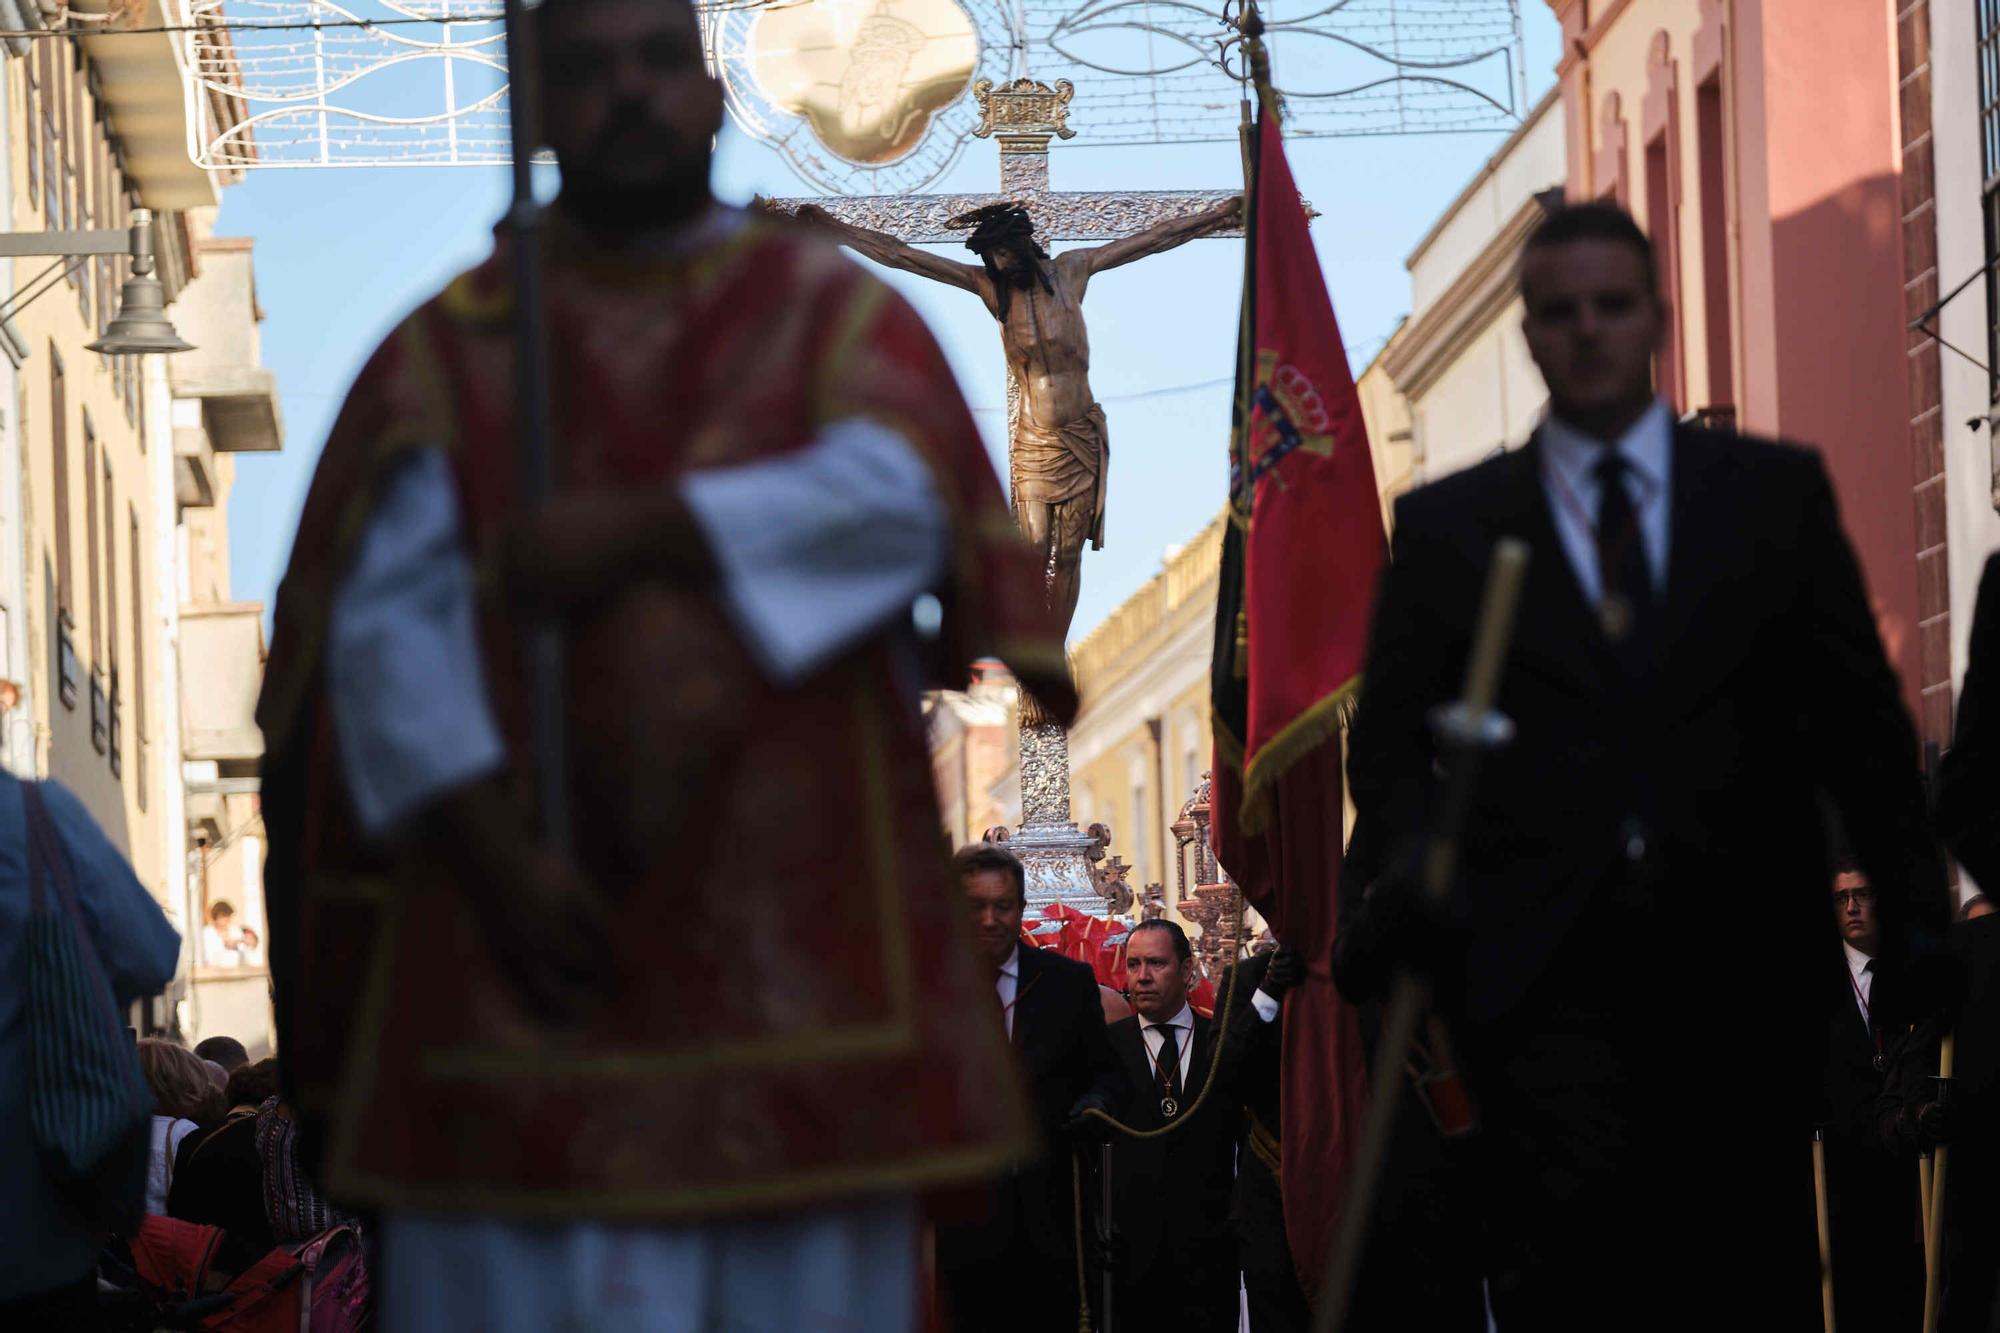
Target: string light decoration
859 96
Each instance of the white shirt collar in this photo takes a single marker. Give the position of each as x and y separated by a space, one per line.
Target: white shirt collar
1012 967
1647 445
1183 1019
1857 961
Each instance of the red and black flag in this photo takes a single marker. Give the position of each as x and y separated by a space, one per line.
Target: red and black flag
1301 554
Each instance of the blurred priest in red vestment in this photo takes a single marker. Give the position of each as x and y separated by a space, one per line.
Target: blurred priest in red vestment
693 1073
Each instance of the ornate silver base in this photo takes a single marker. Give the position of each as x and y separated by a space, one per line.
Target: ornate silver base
1055 853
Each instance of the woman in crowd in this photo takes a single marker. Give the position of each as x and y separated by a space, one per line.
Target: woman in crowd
218 1178
184 1099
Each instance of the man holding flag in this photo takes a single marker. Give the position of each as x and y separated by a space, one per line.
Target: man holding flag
1300 556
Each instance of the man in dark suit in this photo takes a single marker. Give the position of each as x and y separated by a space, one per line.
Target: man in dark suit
1009 1262
1271 1290
1640 923
1968 818
1872 1191
1176 1259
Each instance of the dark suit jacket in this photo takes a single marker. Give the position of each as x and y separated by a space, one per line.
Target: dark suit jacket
1968 808
1059 1036
1770 688
1173 1192
1866 1181
1871 1190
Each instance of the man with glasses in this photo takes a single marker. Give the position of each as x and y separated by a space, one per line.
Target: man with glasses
1871 1193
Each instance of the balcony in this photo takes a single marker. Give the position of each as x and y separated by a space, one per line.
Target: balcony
236 397
222 670
142 81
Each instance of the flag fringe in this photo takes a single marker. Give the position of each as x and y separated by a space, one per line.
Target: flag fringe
1303 734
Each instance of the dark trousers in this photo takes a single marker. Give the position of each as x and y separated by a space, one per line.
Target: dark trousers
1270 1283
1000 1274
72 1306
1181 1298
1421 1268
1622 1181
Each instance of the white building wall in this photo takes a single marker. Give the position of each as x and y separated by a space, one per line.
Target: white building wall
1520 170
1969 454
17 725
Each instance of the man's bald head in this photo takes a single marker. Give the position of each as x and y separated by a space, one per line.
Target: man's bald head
629 108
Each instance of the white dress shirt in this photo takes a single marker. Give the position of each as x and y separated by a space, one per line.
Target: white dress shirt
1155 1035
1569 480
816 549
1864 980
1007 985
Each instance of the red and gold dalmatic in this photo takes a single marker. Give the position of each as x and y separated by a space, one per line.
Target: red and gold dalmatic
791 998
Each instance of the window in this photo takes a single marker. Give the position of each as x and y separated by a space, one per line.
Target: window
59 435
94 595
138 652
110 569
51 134
33 82
77 153
1663 210
1142 845
116 741
102 216
72 187
100 713
1989 145
1713 164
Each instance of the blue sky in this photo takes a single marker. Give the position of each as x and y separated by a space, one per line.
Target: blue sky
343 253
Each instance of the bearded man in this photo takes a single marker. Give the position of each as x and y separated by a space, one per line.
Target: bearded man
719 1111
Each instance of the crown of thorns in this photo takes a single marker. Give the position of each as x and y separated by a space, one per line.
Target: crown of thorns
995 225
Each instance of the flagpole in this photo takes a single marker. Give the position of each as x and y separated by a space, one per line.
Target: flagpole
1257 64
1466 731
534 462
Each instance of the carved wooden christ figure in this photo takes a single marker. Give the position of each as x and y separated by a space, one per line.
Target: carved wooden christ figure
1059 450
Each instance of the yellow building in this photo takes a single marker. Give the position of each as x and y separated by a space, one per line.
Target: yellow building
107 456
1142 740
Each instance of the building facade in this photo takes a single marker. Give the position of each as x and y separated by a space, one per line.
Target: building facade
95 490
1458 382
1780 154
224 404
974 739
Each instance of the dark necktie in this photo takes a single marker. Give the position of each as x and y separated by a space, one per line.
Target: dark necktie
1168 1061
1627 582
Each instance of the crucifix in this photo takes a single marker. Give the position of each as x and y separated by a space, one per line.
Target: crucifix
1058 451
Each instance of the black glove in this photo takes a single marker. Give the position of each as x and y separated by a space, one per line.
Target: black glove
1397 927
1080 1124
1284 971
1933 1125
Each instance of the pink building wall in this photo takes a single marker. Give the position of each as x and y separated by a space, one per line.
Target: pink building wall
1816 268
